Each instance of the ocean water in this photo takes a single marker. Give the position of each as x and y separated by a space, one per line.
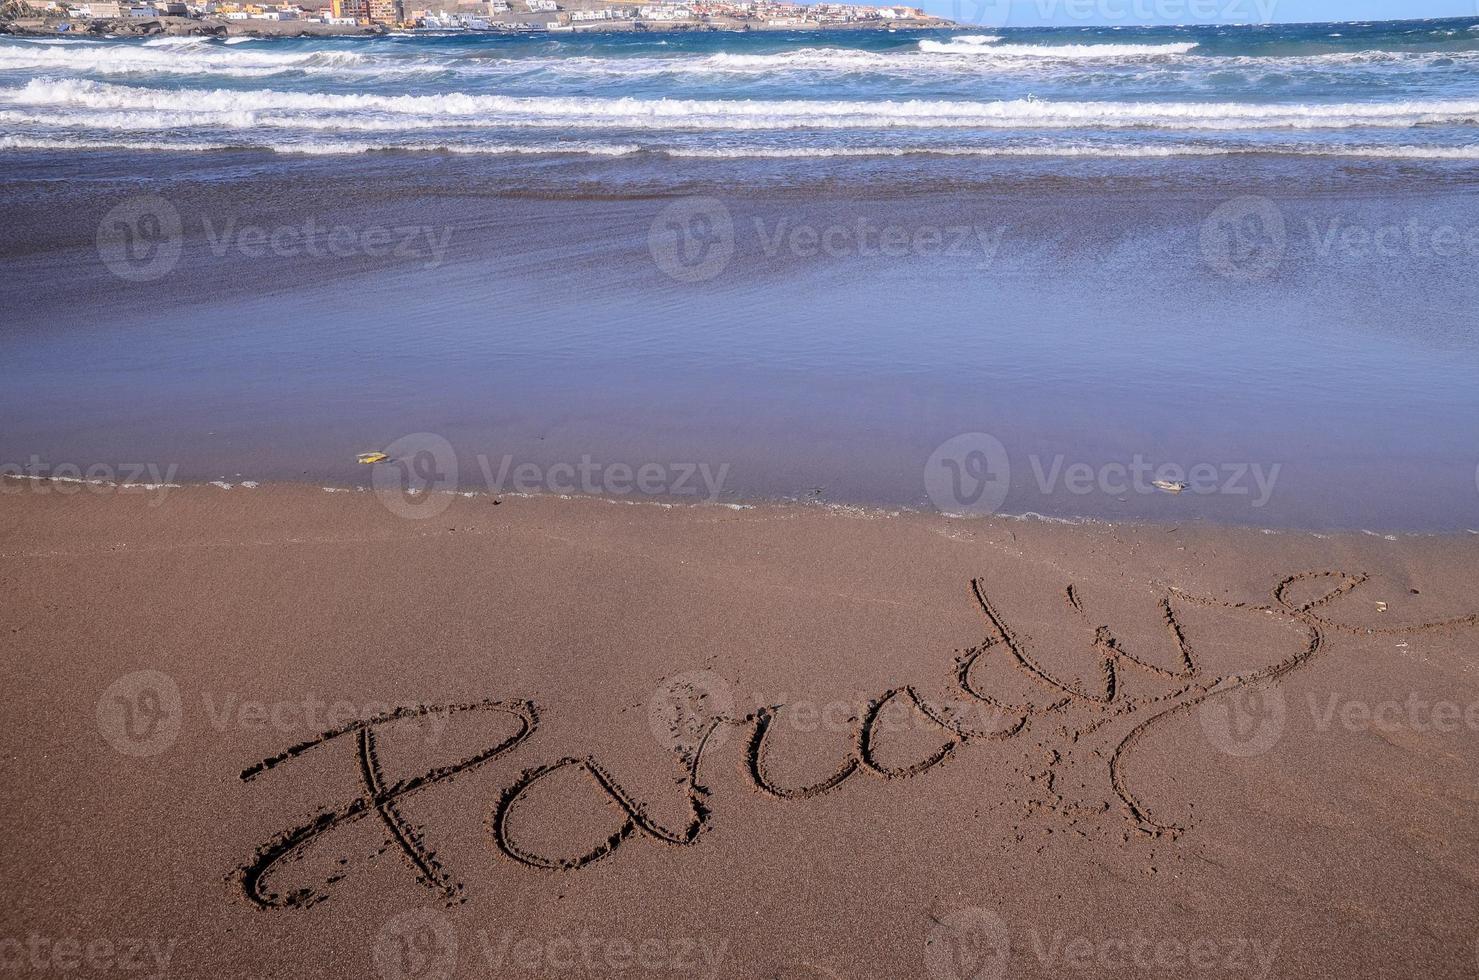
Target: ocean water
823 264
1403 91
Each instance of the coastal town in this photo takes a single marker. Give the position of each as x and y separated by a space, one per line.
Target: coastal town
318 17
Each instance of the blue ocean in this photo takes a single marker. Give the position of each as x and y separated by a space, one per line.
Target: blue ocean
814 262
1400 91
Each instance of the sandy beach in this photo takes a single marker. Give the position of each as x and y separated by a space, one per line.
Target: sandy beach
991 504
281 731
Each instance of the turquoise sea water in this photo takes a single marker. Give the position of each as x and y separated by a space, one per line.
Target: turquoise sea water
1406 90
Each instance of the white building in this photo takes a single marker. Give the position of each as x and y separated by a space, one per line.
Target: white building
666 12
542 5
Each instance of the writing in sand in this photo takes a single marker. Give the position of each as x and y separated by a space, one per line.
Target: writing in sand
1092 726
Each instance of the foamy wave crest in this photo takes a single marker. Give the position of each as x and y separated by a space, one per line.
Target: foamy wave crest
193 56
463 110
176 42
962 45
1103 151
310 148
1044 150
578 148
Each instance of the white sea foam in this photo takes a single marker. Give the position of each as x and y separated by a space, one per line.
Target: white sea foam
175 42
312 148
455 109
971 55
1098 151
582 148
1055 51
196 56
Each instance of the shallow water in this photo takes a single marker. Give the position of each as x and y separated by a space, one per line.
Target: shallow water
1026 271
1084 322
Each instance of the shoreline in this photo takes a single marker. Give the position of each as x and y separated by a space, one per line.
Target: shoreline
1317 386
18 486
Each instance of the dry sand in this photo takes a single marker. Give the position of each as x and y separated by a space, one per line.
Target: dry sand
648 741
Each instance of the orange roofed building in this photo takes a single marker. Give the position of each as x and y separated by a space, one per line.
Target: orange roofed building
373 11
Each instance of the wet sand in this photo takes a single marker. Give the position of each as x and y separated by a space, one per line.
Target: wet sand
532 310
786 741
